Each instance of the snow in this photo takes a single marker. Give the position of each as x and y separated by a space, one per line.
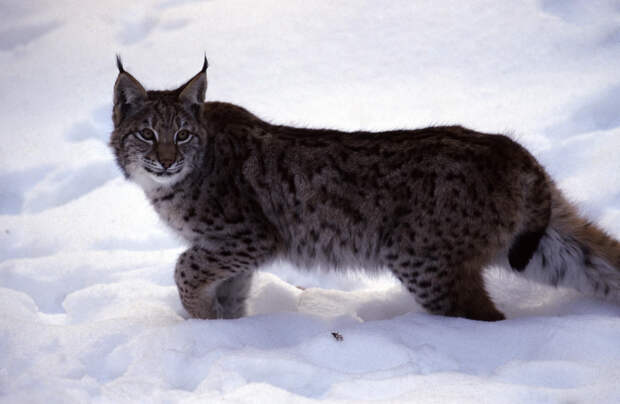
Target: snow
88 307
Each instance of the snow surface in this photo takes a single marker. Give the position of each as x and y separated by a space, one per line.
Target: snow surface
88 307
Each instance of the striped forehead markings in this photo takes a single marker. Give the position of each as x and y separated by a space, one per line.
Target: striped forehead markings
164 114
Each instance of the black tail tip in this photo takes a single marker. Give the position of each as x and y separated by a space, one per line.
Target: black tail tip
119 64
523 249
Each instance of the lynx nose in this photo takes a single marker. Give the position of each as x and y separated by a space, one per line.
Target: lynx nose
166 162
166 155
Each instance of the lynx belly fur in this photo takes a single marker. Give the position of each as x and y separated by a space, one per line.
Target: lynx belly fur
434 206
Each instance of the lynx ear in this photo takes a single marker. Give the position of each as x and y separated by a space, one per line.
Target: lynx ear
193 92
129 95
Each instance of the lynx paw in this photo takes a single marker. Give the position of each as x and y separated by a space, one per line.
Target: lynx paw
205 309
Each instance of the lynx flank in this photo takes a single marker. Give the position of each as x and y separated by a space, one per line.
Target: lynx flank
434 206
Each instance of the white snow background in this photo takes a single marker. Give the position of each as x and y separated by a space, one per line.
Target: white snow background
88 307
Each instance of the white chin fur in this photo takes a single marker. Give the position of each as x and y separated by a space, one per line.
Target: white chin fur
149 182
167 179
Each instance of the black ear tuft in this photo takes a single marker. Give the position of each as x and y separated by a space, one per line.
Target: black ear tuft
119 64
205 64
193 92
129 95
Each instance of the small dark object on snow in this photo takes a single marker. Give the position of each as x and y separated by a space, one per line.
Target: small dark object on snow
337 336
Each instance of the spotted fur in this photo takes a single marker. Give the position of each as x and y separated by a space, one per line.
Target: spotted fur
434 206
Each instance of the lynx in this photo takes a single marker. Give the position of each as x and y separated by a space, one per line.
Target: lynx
434 206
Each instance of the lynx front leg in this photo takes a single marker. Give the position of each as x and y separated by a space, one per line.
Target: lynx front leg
231 295
214 284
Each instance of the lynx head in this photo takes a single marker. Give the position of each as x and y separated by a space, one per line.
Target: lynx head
158 135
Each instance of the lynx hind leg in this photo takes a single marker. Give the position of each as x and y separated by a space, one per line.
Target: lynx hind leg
472 298
447 290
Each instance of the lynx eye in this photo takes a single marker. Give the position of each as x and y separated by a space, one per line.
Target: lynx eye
146 135
182 136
